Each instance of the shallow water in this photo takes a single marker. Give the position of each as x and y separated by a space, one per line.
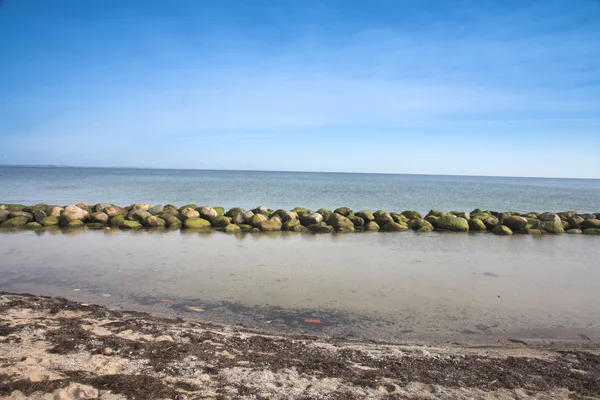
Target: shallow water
394 285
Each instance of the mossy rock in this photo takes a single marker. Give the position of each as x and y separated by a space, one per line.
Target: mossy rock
590 224
256 219
502 230
154 222
290 225
436 213
366 215
270 225
172 222
220 221
285 215
117 220
575 222
309 218
553 226
476 225
357 221
325 213
565 225
399 218
75 224
50 221
491 222
384 219
534 215
15 207
534 232
101 217
299 209
481 216
452 223
246 227
192 206
412 214
15 214
232 228
393 227
461 214
432 219
515 223
340 223
418 223
32 225
591 231
377 214
219 210
345 211
320 227
196 223
4 215
188 212
232 212
573 231
14 222
425 229
371 226
207 213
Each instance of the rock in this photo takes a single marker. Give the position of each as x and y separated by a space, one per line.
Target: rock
285 215
220 221
73 213
393 227
344 211
39 215
188 212
261 210
399 218
325 213
99 217
208 213
32 225
418 223
432 219
383 219
491 222
452 223
96 225
591 231
299 210
340 223
192 206
172 222
411 214
588 216
366 215
308 218
377 214
371 226
75 224
461 214
15 207
113 211
4 215
476 225
515 223
100 207
425 229
565 215
130 224
548 217
15 214
554 226
86 207
590 224
293 225
154 222
575 222
436 213
219 210
196 223
246 227
502 230
157 209
232 228
256 219
535 232
270 225
117 220
321 227
357 221
234 211
50 221
138 215
573 231
142 207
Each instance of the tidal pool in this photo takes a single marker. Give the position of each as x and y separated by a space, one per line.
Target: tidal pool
385 286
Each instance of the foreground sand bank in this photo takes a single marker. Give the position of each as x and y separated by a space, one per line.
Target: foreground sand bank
72 350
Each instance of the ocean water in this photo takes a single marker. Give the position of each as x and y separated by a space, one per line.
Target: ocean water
248 189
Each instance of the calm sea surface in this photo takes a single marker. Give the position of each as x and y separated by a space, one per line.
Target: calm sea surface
248 189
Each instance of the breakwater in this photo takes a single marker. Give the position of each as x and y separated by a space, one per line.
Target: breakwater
261 219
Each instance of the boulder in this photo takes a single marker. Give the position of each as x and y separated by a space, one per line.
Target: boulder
172 222
138 215
234 211
241 217
116 220
220 221
366 215
425 229
4 215
575 222
590 224
412 214
142 207
515 223
309 218
130 224
399 218
393 227
270 225
357 221
553 226
591 231
157 209
491 222
15 214
502 230
285 215
196 223
15 207
549 217
188 212
371 226
219 210
50 221
436 213
232 228
73 213
32 225
256 219
14 222
340 223
100 207
476 225
377 214
565 215
344 211
573 231
86 207
192 206
75 224
321 227
246 227
39 215
208 213
113 211
588 216
535 232
418 223
99 217
261 210
293 225
452 223
154 222
384 218
432 219
325 213
299 209
461 214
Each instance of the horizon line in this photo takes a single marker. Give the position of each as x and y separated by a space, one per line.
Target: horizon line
57 166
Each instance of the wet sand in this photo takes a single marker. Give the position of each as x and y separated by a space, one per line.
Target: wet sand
55 348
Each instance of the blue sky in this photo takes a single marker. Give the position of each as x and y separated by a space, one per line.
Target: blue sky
434 87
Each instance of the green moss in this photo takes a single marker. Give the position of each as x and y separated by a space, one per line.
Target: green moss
221 221
416 224
246 227
340 223
32 225
366 215
384 219
299 209
425 229
256 219
393 227
515 223
50 221
412 214
436 213
591 231
476 225
345 211
232 228
192 206
127 224
270 225
117 220
502 230
220 210
452 223
74 224
196 223
377 213
14 222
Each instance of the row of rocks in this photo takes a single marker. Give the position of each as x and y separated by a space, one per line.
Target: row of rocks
261 219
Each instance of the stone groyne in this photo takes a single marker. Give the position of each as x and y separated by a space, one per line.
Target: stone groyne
261 219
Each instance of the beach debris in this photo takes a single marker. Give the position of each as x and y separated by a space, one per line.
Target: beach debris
166 301
230 289
76 290
106 295
125 283
195 309
312 321
84 304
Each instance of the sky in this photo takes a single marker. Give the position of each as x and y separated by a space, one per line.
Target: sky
509 88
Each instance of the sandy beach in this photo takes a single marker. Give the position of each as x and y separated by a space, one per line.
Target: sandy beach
59 349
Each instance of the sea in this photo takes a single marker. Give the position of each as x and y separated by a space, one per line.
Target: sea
384 286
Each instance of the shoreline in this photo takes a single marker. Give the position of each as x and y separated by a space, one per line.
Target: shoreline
53 345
